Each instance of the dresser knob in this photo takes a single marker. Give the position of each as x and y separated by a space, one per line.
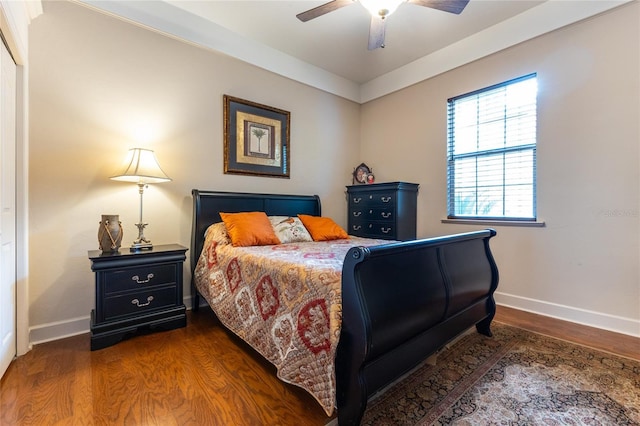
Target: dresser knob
357 200
140 305
139 281
386 215
356 227
385 230
385 199
356 214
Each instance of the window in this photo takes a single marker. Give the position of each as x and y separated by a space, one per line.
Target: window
492 152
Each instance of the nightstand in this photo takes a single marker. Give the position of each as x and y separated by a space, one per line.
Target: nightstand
136 290
383 210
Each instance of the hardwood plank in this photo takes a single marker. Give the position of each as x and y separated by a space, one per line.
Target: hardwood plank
200 374
608 341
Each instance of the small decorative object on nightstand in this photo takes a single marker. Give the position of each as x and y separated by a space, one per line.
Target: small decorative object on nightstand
383 210
110 233
135 290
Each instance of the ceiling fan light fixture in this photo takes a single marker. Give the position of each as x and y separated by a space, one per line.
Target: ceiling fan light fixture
381 8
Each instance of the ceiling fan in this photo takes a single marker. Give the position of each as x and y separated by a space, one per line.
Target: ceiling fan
379 10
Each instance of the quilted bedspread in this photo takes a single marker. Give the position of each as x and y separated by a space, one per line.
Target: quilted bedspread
285 301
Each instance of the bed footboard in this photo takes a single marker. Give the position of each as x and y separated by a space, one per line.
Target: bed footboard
401 302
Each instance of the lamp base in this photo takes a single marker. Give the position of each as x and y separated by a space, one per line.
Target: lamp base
141 246
141 243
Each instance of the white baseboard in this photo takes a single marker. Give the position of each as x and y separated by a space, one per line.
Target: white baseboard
58 330
608 322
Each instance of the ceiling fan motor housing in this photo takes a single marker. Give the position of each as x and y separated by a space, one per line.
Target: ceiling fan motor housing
381 8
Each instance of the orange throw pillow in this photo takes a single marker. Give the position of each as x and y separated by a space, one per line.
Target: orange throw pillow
249 229
322 228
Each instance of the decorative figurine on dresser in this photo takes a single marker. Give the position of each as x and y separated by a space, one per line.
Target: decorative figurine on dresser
134 290
383 210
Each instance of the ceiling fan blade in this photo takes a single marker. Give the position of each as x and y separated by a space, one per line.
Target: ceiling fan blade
453 6
322 9
376 33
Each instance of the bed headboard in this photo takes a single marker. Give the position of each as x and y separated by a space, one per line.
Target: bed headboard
208 204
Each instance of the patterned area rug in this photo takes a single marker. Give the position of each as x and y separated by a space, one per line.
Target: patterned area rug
514 378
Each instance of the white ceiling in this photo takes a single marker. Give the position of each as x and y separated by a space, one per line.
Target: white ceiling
330 52
337 41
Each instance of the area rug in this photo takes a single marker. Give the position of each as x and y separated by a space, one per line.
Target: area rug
513 378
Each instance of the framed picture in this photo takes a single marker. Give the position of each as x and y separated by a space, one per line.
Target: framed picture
362 175
256 139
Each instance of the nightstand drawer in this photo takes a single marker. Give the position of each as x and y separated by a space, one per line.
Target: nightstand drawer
139 277
139 302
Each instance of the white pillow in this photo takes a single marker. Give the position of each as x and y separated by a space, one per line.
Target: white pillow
289 229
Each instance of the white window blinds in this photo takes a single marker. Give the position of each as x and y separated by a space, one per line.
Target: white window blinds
492 152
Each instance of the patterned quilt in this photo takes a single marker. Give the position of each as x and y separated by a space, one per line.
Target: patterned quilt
284 300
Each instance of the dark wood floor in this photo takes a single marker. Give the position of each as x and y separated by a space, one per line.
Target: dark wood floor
198 375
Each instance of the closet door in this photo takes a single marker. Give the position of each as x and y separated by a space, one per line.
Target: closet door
7 209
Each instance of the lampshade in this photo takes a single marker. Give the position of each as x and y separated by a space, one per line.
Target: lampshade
382 8
141 166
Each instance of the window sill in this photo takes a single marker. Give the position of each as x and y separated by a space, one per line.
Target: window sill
493 222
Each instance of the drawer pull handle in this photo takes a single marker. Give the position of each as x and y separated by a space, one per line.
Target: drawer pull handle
139 281
356 227
385 199
386 215
140 305
385 230
356 214
357 200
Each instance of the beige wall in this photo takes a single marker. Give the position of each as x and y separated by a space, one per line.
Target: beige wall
584 264
100 86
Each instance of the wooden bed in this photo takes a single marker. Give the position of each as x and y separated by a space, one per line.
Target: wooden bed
401 301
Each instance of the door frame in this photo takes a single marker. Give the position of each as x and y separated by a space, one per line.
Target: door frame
15 17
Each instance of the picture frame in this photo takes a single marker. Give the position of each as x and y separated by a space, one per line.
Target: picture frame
362 175
256 139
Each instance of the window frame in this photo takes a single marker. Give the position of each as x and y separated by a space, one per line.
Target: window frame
480 153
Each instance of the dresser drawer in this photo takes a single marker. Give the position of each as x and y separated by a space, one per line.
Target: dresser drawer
384 230
373 213
139 302
139 277
373 198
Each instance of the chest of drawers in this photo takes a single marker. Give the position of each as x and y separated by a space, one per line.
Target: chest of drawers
136 290
383 210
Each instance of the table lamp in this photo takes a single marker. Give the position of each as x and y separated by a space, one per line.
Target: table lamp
142 168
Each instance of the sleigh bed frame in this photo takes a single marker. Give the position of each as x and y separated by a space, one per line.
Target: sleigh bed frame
401 302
